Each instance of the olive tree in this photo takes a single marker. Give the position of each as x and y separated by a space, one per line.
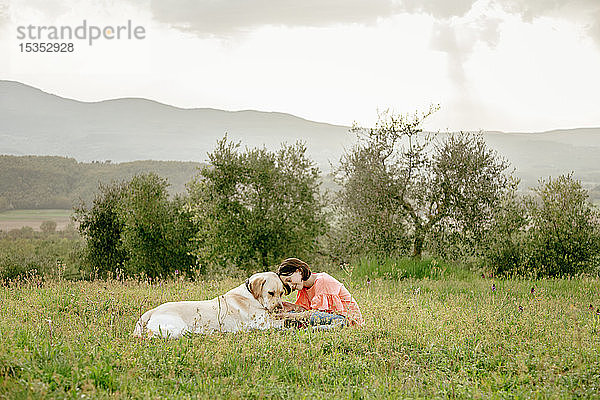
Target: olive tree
156 230
254 207
399 182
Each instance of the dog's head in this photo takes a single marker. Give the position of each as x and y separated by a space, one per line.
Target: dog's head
266 287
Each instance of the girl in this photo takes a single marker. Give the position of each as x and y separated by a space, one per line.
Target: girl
322 299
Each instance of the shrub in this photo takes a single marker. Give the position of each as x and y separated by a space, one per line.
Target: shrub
565 236
133 226
5 204
555 232
101 227
507 240
48 226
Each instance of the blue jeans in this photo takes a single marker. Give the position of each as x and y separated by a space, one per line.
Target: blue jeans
318 318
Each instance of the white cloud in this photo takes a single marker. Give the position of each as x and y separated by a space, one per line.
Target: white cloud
489 63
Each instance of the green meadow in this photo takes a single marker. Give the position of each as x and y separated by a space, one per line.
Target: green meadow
443 337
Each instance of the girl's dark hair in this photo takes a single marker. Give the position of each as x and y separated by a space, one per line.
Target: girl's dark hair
291 265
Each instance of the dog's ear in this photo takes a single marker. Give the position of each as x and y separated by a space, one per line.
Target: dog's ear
286 288
256 286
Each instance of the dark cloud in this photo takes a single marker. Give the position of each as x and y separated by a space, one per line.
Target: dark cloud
456 30
458 40
213 17
438 8
444 38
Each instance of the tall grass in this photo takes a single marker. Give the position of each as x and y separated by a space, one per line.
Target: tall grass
424 338
48 255
402 268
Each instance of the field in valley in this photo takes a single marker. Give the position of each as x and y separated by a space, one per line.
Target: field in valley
446 338
17 219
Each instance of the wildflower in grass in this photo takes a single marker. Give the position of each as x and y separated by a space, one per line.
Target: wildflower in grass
532 289
591 307
598 311
493 287
368 281
520 308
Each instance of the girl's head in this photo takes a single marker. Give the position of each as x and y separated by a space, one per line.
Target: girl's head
293 272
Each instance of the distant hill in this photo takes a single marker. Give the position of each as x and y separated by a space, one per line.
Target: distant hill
38 123
551 153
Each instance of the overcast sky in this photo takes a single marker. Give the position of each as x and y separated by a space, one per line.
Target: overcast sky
512 65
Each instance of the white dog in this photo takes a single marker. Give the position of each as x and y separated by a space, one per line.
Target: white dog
246 307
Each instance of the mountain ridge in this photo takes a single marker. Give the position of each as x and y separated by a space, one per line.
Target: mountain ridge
5 82
36 122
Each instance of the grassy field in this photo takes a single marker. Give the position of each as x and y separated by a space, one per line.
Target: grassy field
474 337
16 219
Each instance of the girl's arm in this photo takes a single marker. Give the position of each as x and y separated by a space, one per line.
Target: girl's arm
294 315
287 306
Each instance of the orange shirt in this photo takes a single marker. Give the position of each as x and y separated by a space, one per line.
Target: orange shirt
328 294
